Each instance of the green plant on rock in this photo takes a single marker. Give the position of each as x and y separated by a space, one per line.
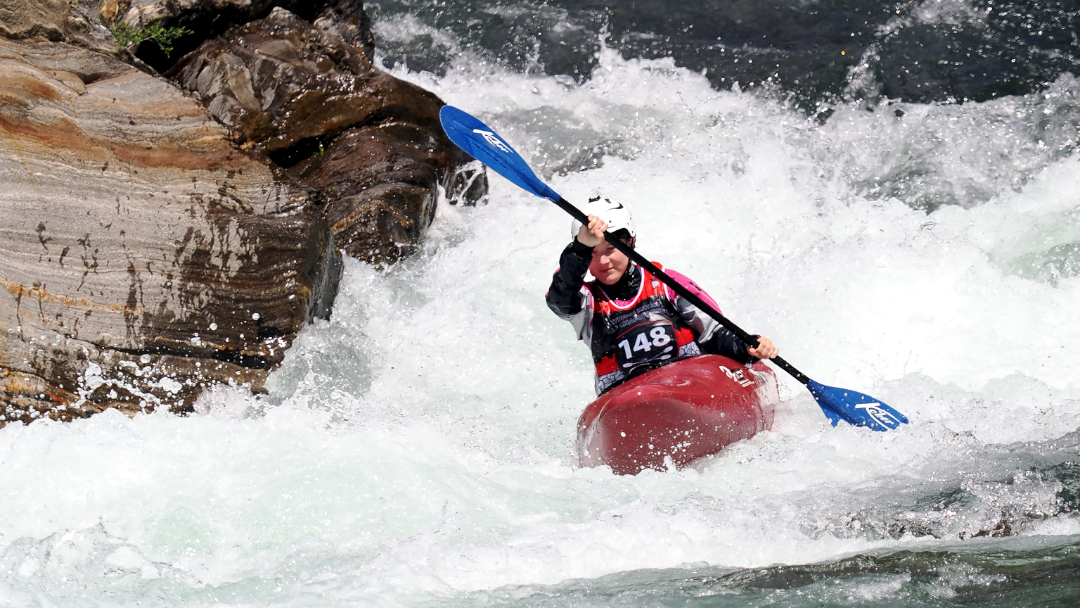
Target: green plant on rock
127 35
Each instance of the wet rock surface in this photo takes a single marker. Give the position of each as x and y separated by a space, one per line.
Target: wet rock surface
155 242
313 103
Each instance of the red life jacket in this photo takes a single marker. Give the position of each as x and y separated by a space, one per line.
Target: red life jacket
630 337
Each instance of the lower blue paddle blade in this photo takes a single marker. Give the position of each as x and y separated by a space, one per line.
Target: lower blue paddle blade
833 417
483 144
855 408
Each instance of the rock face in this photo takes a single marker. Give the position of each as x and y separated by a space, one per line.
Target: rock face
34 18
52 20
143 255
312 101
155 243
208 19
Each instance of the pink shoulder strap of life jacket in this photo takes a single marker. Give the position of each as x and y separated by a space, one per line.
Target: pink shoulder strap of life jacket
689 285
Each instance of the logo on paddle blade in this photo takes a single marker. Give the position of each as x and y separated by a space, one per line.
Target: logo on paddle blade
879 415
493 140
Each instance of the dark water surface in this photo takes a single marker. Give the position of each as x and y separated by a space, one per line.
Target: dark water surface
1036 572
817 51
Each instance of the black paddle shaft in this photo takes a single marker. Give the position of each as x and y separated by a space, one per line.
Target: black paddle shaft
679 289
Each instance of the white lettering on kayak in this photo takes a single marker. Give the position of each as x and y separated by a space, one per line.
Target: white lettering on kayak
879 415
737 376
493 140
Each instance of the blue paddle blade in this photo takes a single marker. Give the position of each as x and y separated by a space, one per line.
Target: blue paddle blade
855 408
483 144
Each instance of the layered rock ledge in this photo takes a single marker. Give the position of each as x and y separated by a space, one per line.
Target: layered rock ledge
144 256
159 239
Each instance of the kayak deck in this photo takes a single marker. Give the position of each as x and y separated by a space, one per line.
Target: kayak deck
682 411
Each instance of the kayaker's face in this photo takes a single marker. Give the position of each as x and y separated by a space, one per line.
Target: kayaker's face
608 264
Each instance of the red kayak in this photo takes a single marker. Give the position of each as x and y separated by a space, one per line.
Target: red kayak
685 410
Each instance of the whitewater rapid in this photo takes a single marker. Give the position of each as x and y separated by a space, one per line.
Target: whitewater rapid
418 445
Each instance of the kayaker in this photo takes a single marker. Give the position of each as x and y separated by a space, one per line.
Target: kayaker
630 320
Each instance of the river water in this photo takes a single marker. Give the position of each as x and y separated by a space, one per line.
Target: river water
918 242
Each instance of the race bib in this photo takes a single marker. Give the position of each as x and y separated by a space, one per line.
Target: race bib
646 343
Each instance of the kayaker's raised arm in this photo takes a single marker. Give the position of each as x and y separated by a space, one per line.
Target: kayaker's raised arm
565 296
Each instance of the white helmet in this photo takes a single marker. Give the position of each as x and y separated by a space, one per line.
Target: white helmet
616 216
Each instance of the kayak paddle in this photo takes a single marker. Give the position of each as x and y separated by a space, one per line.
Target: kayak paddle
483 144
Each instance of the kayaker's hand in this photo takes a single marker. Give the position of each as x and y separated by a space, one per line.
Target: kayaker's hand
593 234
765 349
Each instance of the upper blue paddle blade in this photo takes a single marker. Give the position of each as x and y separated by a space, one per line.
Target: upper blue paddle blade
855 408
483 144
